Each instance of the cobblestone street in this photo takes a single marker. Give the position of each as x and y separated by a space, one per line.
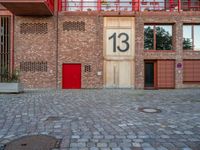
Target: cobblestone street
107 119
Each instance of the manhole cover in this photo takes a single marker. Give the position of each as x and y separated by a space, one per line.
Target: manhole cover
35 142
149 110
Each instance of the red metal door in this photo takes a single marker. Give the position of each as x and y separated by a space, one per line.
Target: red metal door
71 76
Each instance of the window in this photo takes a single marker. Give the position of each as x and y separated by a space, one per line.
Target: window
158 37
191 38
5 47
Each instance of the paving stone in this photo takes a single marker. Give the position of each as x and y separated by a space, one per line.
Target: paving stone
148 148
131 136
112 144
136 144
80 145
162 148
117 148
102 144
94 148
105 149
146 145
186 148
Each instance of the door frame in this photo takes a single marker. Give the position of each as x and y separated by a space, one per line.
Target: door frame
155 74
9 14
72 64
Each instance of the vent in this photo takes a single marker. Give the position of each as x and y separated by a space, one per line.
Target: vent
74 26
33 28
87 68
33 66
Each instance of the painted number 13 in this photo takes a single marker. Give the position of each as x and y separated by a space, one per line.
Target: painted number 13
125 41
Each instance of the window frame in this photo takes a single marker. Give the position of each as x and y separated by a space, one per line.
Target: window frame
193 46
154 37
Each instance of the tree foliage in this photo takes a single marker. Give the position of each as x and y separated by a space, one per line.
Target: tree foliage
187 43
163 39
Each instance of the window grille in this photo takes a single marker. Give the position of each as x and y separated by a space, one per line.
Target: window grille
33 66
34 28
74 26
87 68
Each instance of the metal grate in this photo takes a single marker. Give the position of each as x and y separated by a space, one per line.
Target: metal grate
33 66
74 26
34 142
33 28
87 68
5 27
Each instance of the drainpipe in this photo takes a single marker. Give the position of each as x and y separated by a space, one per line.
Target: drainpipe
56 9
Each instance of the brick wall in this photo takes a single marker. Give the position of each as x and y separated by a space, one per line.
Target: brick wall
76 45
35 45
84 47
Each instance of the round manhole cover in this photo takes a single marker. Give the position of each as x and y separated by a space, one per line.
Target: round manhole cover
35 142
149 110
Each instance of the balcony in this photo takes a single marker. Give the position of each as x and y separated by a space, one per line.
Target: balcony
29 7
129 5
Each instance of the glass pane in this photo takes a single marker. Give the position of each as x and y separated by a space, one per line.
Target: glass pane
196 37
149 74
89 5
147 5
109 5
148 38
187 37
125 5
164 37
74 5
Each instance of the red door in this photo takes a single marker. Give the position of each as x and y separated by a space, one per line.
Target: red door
166 73
71 76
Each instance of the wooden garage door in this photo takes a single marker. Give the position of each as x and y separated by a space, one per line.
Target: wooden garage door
191 70
118 74
71 76
119 47
166 73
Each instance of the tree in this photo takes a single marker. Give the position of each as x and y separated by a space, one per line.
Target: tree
163 39
187 43
148 38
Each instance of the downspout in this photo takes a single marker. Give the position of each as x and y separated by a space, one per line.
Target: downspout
56 9
12 43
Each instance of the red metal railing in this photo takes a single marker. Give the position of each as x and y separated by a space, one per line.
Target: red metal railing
129 5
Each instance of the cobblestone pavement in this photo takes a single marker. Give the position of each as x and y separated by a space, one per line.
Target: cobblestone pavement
106 119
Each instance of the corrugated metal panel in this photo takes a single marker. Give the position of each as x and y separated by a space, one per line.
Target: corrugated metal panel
165 69
191 70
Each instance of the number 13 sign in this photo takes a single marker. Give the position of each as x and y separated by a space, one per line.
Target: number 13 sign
118 41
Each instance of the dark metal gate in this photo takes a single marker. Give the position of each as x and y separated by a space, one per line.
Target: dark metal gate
5 42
